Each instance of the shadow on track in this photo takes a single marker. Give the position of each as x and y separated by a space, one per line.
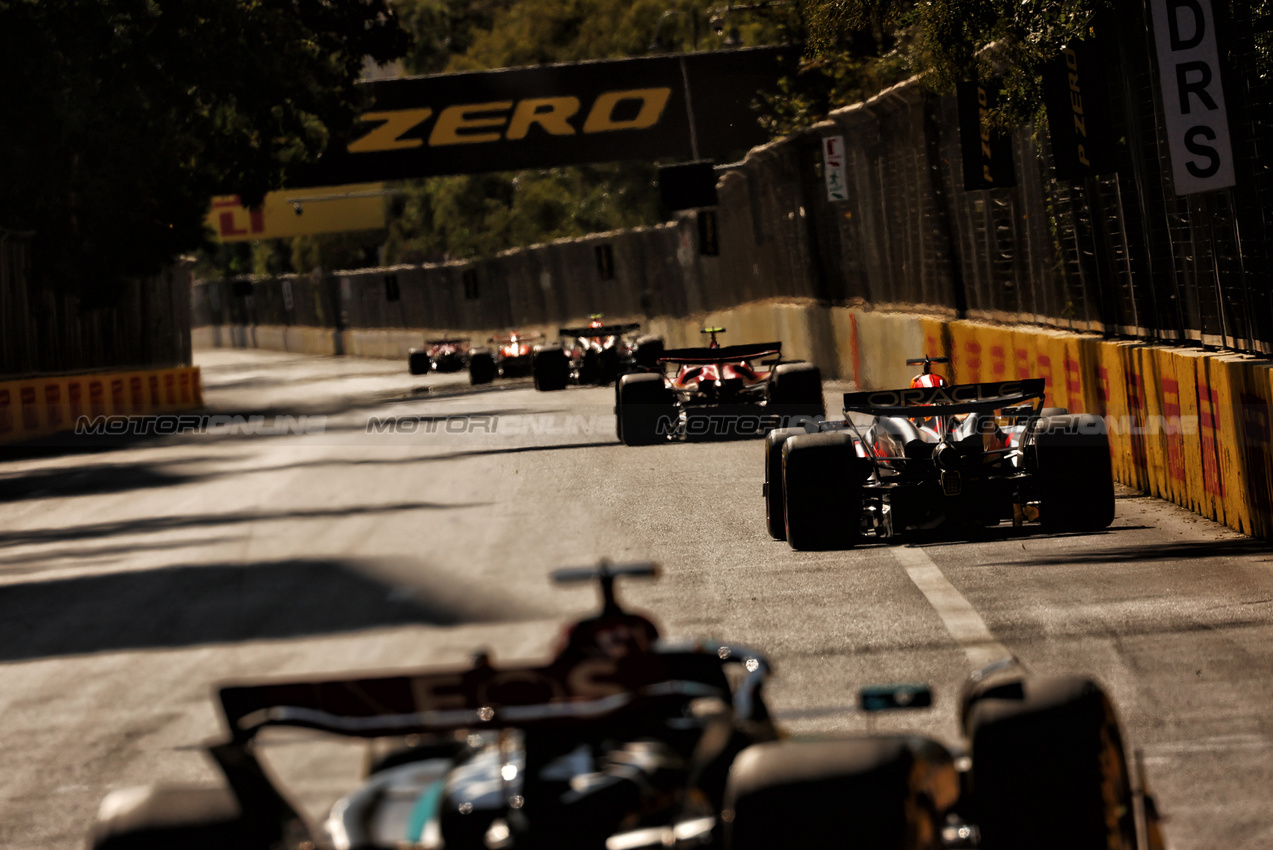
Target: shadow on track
148 525
197 604
1196 550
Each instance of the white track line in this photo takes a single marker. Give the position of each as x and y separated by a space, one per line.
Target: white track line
957 614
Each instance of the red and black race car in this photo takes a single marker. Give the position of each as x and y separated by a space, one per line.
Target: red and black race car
595 355
628 741
716 392
512 358
441 355
963 456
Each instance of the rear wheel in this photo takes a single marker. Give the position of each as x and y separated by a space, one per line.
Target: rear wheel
418 362
822 480
1074 476
481 367
774 519
795 392
890 793
646 411
550 368
1048 767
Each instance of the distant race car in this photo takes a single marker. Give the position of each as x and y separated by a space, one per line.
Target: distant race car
511 358
441 355
625 741
963 456
597 354
716 393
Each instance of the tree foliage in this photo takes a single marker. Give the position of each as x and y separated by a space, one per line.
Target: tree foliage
123 117
948 41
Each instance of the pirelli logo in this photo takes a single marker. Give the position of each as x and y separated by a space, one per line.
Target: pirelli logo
508 120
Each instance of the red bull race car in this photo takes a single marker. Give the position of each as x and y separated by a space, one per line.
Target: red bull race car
439 355
512 358
934 455
596 354
628 741
716 392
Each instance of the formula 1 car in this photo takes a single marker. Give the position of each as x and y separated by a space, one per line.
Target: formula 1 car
441 355
625 741
511 358
964 456
597 354
716 393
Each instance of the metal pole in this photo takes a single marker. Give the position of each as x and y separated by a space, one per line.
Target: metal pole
689 109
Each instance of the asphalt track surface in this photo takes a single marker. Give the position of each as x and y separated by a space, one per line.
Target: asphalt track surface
133 578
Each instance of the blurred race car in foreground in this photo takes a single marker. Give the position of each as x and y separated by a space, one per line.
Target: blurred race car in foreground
716 393
596 354
441 355
625 741
512 358
966 456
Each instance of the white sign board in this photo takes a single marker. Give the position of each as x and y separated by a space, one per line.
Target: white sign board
1193 98
833 168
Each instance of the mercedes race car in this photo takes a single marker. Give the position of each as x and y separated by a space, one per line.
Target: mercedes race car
441 355
597 354
511 358
716 392
626 741
964 457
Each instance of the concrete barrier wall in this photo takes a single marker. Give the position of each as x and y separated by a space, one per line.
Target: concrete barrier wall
38 407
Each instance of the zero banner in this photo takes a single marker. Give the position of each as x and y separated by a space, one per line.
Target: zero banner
1193 97
557 115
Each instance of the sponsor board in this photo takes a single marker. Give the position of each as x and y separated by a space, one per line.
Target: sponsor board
303 212
548 116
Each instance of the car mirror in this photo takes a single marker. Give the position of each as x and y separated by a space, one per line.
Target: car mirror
889 697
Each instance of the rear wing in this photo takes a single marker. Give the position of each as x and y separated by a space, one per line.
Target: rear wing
725 354
604 330
944 401
456 341
478 697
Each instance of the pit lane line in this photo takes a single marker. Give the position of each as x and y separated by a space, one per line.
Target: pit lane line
957 614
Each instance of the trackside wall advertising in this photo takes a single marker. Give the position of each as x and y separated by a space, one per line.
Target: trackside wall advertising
1193 97
556 115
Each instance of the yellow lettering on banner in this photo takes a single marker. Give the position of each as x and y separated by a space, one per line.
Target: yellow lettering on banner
388 136
551 113
465 117
601 117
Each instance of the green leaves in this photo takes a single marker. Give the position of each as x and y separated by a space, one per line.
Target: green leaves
124 117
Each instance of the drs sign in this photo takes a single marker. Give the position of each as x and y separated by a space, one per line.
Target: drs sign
1193 98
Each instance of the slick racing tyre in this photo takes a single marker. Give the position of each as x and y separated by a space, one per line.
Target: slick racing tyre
1074 478
795 391
481 367
646 411
1048 767
822 480
885 793
550 368
774 519
418 362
